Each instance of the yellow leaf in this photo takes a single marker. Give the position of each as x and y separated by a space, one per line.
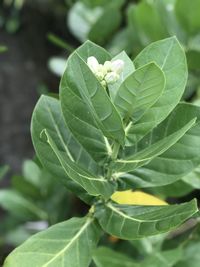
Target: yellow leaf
136 198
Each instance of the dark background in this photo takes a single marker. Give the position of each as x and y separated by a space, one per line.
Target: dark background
24 74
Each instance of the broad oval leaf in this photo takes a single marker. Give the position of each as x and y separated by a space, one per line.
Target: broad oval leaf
48 115
153 145
178 161
86 105
68 243
170 57
134 222
139 92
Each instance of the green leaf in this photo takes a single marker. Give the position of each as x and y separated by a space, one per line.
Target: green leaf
166 10
191 255
170 57
20 206
3 171
89 49
193 178
48 115
96 22
32 172
176 189
3 49
179 160
193 59
81 18
86 105
133 222
68 243
121 41
165 258
139 92
105 26
188 15
26 188
104 257
154 144
149 27
94 185
147 246
127 70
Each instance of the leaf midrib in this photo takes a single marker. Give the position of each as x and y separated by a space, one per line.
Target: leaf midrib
88 221
58 132
109 205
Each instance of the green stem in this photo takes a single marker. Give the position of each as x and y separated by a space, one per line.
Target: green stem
60 42
114 155
115 151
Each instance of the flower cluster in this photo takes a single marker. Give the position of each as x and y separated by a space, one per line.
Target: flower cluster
107 73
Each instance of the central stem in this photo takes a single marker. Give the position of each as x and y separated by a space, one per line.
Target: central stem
115 151
114 155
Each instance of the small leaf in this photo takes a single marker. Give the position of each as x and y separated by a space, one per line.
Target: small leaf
136 198
68 243
133 222
139 92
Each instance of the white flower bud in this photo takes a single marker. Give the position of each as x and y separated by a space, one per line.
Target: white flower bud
111 77
103 83
108 66
93 64
99 75
102 69
117 66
